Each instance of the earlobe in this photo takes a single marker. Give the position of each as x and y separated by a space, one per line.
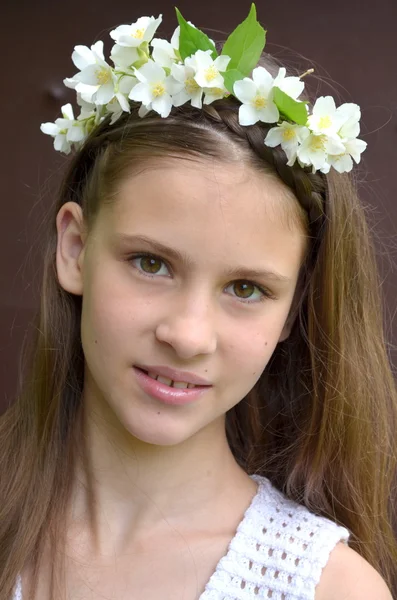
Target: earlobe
70 248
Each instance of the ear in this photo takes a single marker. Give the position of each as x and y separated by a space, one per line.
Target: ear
70 247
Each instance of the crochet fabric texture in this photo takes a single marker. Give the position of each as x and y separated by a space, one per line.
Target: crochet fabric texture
279 551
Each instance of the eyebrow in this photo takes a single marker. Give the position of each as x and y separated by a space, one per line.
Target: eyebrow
238 272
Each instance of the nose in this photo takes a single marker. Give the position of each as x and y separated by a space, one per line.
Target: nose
189 327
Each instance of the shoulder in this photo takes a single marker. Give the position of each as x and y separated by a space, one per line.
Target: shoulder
348 575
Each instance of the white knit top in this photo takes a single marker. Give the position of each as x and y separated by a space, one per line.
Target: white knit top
278 551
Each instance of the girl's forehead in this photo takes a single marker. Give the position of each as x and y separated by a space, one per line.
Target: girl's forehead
205 189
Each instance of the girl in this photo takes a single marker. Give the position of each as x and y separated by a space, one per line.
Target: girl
209 412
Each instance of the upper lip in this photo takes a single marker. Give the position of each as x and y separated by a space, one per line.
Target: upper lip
174 374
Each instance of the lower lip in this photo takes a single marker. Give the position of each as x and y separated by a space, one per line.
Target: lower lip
167 394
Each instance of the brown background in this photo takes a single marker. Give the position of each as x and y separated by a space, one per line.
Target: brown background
350 42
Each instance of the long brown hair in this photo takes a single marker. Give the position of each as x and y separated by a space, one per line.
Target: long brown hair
321 422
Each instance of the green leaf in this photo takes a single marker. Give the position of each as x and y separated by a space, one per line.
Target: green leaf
192 39
245 44
290 108
230 77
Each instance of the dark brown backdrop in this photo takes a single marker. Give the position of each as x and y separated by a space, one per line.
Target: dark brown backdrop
352 42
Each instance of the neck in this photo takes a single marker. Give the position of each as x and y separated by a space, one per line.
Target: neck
126 489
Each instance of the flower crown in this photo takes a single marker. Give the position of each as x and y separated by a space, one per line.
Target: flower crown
161 74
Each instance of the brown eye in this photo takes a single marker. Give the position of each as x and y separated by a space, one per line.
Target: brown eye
249 292
150 265
244 289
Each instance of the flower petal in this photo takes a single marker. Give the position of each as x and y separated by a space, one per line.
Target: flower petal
124 56
67 111
221 62
151 72
49 128
292 86
141 93
82 56
324 106
262 78
162 105
269 114
355 148
163 53
105 93
274 137
247 115
245 90
180 98
75 133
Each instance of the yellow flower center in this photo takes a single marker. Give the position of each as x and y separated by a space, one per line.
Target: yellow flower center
158 90
138 34
324 122
289 134
211 73
102 76
218 91
259 101
317 143
191 85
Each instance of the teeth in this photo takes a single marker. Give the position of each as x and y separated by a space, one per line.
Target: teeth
180 384
164 380
170 382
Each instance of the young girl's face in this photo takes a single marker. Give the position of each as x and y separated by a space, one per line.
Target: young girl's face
192 305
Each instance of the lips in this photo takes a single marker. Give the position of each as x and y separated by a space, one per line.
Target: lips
165 393
173 375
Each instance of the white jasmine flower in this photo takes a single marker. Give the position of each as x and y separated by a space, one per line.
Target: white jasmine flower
119 103
83 57
154 88
256 95
124 57
208 71
100 76
292 86
65 130
167 53
96 79
325 119
135 34
343 162
315 149
289 136
212 94
350 115
164 52
190 88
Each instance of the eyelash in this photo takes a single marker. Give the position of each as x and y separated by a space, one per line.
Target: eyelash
265 294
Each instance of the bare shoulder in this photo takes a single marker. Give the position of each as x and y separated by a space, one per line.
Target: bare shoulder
347 575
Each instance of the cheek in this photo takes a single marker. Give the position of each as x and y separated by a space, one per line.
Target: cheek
251 349
107 316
